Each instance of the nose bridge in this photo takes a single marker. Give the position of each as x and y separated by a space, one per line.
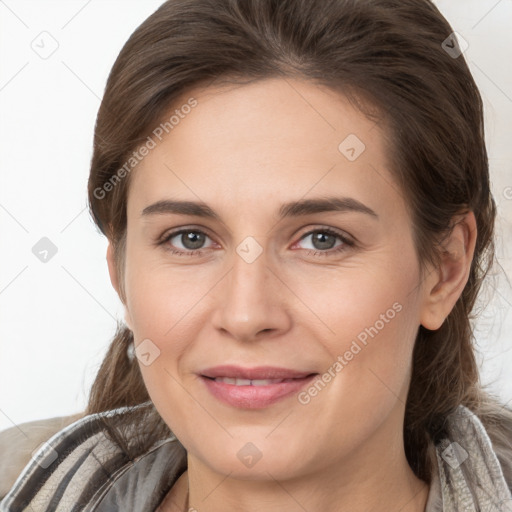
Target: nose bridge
249 276
250 301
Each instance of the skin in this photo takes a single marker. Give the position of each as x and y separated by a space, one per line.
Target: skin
245 150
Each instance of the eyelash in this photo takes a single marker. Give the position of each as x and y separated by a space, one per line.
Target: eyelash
346 242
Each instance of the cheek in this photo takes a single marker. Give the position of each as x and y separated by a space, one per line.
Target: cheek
167 307
369 324
367 377
365 314
372 351
162 300
376 301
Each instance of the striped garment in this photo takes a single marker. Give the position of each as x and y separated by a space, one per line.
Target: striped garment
81 468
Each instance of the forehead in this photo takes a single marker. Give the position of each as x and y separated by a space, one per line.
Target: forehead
265 139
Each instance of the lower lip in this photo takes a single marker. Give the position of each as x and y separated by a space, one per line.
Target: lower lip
255 397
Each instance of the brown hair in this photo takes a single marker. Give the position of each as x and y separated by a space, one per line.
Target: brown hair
383 54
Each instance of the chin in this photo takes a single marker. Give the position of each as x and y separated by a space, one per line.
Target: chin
246 460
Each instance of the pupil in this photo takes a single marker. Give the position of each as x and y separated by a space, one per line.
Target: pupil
319 241
192 240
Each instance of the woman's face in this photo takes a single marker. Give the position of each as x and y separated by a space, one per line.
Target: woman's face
294 251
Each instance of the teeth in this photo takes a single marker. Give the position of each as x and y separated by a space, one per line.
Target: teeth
248 382
242 382
227 380
265 382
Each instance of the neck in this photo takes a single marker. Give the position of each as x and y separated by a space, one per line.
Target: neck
225 494
371 480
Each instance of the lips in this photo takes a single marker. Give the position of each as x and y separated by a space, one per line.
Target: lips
248 382
256 373
253 388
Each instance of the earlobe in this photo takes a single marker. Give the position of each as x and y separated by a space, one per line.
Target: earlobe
128 318
112 270
444 286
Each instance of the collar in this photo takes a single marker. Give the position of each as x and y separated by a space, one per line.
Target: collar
81 468
469 476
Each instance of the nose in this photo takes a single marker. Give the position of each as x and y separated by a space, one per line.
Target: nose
251 301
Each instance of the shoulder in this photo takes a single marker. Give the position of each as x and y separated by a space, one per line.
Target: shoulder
475 459
19 442
497 422
84 462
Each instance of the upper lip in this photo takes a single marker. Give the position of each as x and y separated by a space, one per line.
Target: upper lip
255 373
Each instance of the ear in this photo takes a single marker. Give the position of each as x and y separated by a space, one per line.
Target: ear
445 284
112 270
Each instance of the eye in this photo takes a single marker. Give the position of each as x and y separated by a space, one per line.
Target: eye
188 242
323 241
185 241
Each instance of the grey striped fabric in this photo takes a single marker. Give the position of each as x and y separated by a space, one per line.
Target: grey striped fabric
470 475
82 469
18 442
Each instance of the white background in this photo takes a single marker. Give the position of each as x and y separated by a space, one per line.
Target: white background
57 318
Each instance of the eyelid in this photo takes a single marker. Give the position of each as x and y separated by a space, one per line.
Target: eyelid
172 232
328 229
202 229
346 239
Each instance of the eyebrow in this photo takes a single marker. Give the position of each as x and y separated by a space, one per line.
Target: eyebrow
290 209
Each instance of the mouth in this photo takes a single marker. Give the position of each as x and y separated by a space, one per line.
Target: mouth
254 388
249 382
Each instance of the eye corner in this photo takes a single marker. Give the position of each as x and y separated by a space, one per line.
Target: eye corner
347 242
